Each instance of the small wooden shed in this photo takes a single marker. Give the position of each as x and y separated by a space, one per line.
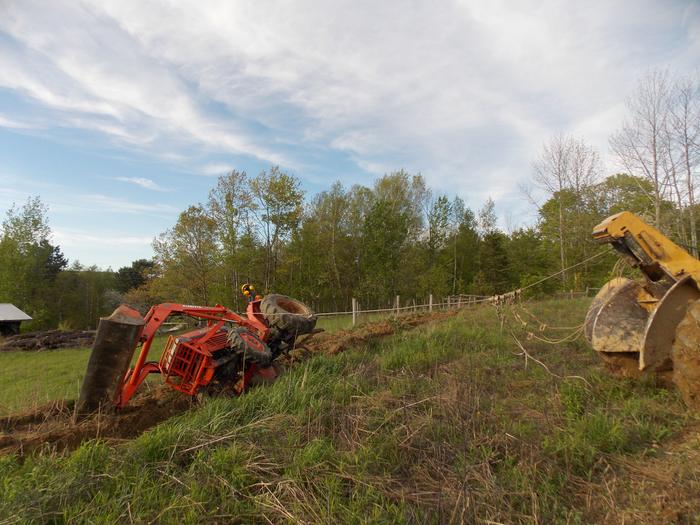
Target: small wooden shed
10 319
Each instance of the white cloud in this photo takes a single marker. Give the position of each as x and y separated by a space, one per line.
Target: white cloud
16 124
215 169
464 91
143 182
71 238
100 79
64 200
106 203
109 249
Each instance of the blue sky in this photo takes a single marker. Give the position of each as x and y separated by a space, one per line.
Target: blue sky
119 114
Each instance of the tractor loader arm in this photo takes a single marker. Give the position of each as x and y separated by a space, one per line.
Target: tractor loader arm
156 316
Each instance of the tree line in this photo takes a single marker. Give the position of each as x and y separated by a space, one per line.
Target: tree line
395 237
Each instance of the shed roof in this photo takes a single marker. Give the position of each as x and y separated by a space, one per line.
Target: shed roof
9 312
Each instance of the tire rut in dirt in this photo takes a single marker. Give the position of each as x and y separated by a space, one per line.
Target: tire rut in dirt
51 427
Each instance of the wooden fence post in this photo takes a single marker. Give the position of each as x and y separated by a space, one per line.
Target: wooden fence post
354 311
398 305
430 303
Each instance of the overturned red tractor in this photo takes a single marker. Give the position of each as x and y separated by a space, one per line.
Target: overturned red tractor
223 356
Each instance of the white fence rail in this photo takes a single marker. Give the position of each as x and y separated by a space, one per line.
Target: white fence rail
447 303
451 302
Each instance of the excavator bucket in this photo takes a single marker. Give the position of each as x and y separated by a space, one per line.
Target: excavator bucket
599 300
617 318
661 327
626 323
633 324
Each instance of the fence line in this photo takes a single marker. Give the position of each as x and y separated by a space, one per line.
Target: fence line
448 303
428 305
457 301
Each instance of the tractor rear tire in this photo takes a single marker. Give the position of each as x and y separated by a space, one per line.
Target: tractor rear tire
289 316
685 354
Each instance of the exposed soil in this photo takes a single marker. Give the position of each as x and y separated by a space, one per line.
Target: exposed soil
332 343
47 340
52 426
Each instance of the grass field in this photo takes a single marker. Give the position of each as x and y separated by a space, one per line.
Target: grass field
445 423
29 379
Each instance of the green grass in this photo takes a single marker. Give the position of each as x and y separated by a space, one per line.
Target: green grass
29 379
344 322
33 378
441 424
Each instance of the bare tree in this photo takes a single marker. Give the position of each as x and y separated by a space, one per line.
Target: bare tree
684 128
567 166
585 167
639 144
551 169
230 205
671 165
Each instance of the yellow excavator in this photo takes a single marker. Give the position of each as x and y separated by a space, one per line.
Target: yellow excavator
650 326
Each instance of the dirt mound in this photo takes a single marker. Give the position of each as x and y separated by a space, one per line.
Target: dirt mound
332 343
52 426
48 340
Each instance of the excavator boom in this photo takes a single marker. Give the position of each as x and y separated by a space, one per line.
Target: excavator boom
647 248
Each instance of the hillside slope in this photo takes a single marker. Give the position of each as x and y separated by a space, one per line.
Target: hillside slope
448 422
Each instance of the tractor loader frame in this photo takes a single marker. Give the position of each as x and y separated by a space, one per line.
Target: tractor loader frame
224 356
189 365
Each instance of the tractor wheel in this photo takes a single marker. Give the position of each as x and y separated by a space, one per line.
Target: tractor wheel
686 356
289 316
250 346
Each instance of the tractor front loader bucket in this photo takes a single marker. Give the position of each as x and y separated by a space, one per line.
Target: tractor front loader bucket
115 342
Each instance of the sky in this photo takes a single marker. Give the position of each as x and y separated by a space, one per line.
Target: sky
120 114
